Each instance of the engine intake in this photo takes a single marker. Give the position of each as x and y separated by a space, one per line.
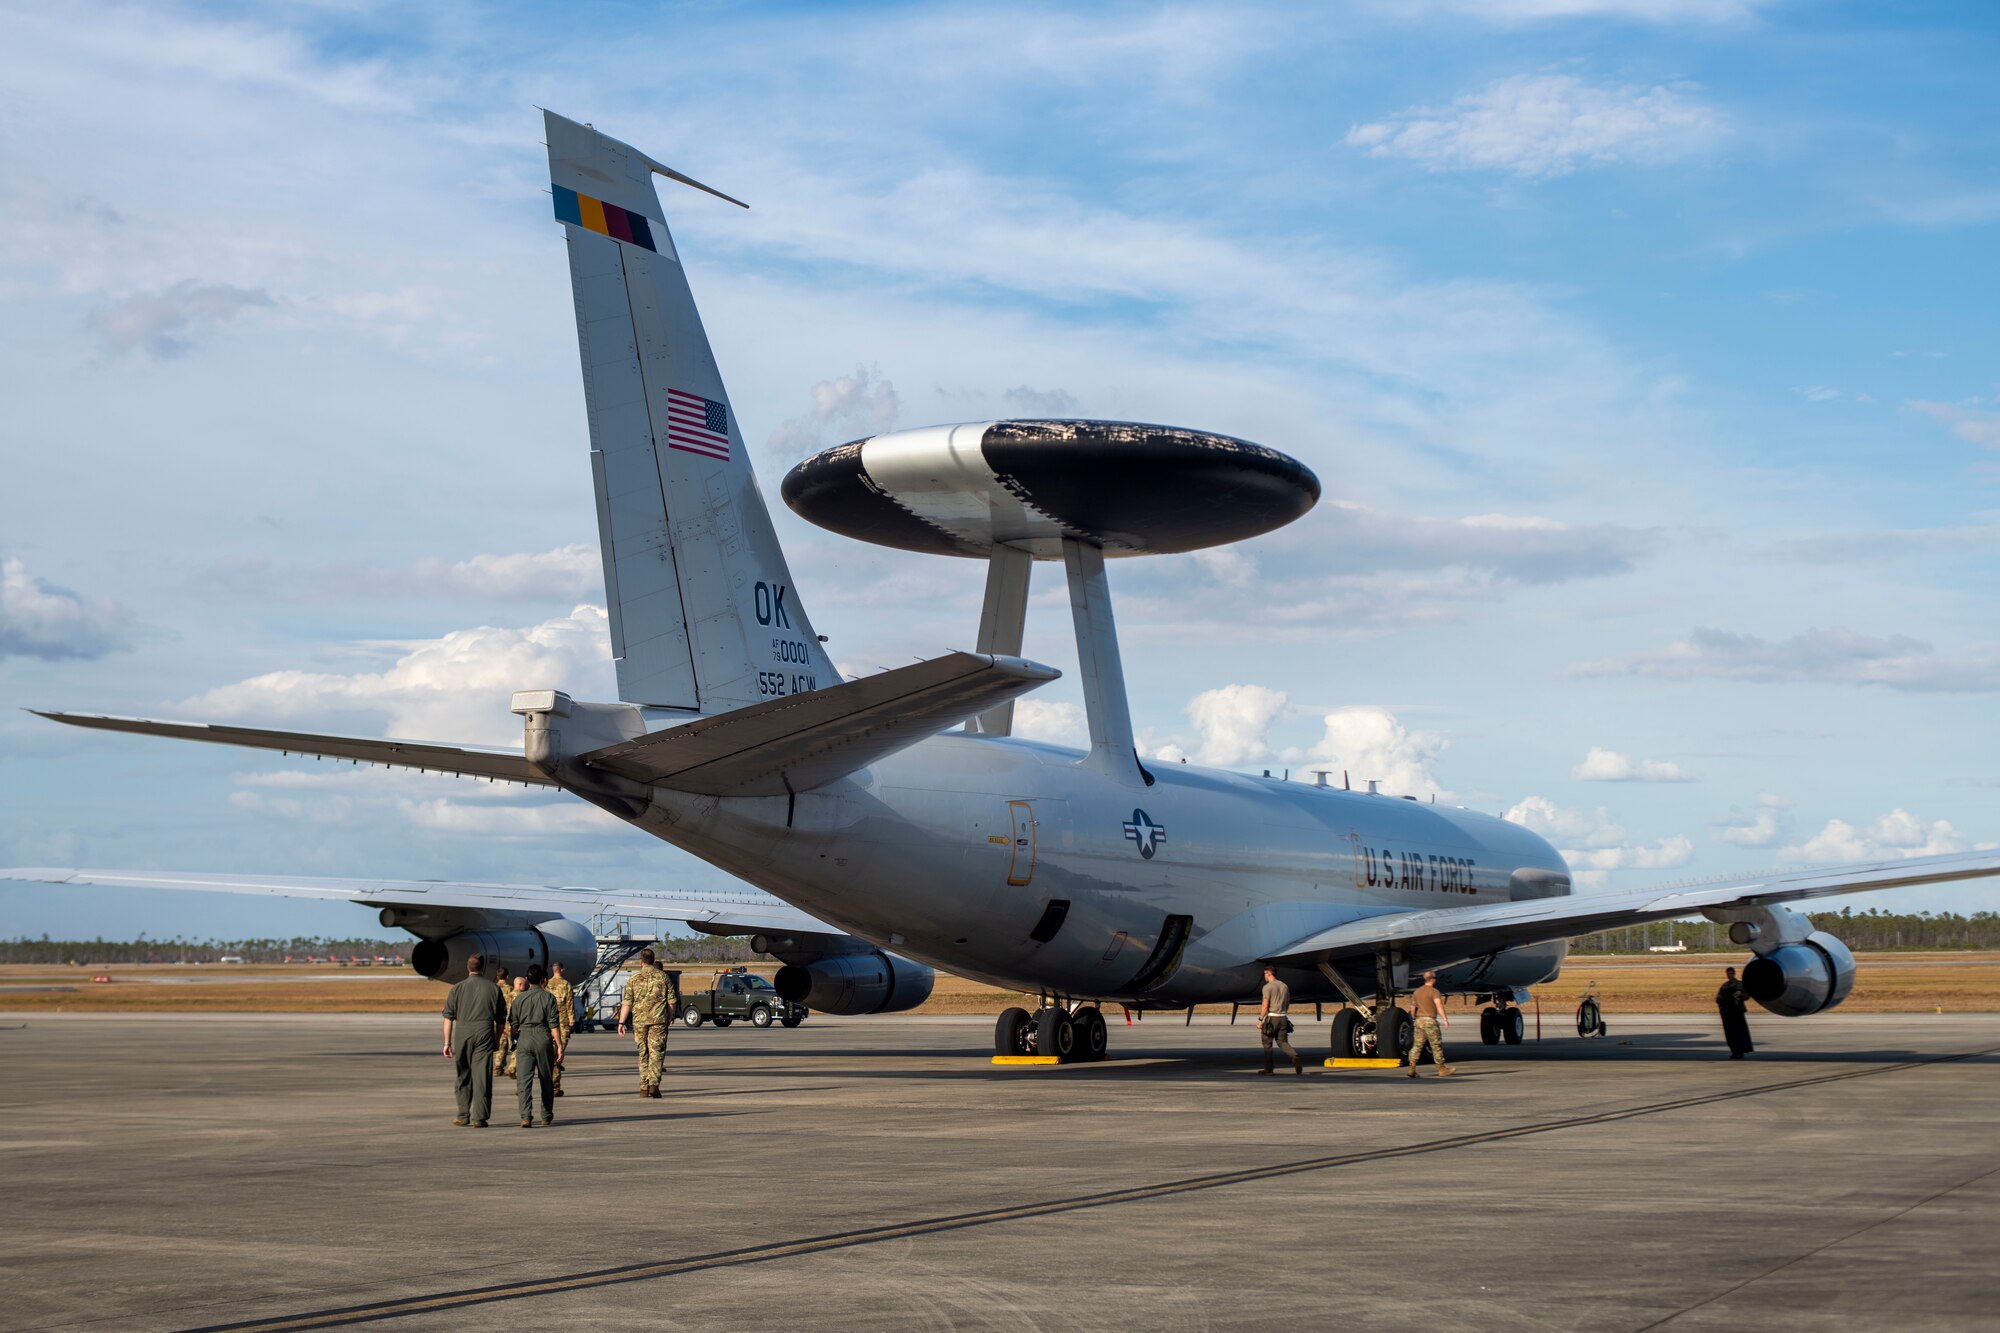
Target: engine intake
1798 979
547 942
856 983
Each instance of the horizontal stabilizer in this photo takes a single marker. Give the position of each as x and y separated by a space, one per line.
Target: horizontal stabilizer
808 740
497 765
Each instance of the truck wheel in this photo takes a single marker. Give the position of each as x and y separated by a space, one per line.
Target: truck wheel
722 1021
760 1016
691 1016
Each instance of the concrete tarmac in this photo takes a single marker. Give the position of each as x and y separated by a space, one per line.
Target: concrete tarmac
180 1172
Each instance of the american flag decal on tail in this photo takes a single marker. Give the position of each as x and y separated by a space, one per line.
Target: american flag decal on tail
696 425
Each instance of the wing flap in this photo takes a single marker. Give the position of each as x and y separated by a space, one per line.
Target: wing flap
806 740
1447 934
496 765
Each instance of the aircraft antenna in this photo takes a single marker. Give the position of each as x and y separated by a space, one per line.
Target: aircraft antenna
1345 785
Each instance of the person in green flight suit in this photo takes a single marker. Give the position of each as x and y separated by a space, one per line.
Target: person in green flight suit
472 1018
535 1023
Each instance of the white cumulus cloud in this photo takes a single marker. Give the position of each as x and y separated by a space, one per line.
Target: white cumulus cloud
1371 742
454 688
1766 824
1545 125
1593 843
1895 835
1051 723
1233 722
1602 765
850 407
39 619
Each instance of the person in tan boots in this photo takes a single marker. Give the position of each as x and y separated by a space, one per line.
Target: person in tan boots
1428 1006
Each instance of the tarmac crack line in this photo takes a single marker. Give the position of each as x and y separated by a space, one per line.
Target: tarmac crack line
1863 1229
649 1271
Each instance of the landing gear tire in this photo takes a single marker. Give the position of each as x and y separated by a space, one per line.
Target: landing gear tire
1489 1026
722 1022
1093 1038
760 1016
1590 1019
1347 1034
692 1016
1014 1033
793 1021
1400 1034
1055 1034
1513 1027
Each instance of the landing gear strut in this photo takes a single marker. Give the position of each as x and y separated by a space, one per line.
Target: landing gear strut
1071 1035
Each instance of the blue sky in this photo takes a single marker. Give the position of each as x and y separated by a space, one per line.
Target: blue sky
1646 351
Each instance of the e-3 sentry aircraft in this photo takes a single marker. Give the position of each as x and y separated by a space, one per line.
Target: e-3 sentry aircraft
893 822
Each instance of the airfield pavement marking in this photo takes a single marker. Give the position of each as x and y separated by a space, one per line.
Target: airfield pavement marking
644 1272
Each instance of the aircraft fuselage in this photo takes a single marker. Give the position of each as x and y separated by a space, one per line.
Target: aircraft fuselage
1011 862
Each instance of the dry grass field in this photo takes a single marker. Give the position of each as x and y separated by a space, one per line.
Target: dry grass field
1642 984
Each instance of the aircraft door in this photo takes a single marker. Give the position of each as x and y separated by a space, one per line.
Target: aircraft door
1021 863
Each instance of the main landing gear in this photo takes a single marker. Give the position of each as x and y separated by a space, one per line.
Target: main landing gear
1502 1022
1359 1034
1072 1035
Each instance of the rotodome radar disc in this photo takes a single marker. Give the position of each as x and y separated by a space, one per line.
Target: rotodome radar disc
1132 489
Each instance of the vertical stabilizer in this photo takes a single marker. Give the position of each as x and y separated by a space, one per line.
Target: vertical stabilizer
704 615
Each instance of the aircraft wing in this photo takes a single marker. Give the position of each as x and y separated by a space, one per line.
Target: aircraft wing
725 913
498 765
1447 934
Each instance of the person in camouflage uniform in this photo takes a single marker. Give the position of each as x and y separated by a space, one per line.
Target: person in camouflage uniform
503 1051
648 1006
536 1027
565 997
1428 1005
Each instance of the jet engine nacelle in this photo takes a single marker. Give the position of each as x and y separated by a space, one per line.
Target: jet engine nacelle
1804 978
856 983
545 942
